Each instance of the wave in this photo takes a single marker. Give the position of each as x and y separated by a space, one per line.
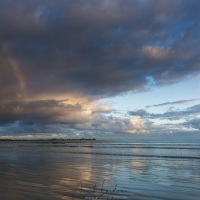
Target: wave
135 155
133 146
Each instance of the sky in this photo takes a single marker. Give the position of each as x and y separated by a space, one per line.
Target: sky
102 69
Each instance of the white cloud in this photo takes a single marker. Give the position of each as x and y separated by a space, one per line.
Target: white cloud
131 125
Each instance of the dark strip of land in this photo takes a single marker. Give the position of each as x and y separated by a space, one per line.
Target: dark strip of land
54 140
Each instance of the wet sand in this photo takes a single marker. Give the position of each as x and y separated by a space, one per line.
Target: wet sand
32 171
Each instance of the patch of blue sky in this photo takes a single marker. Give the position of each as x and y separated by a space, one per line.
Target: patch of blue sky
167 122
185 90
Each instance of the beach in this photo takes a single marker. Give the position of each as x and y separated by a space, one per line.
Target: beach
99 170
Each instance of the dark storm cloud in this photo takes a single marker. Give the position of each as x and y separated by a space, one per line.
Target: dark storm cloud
40 112
173 103
98 48
171 115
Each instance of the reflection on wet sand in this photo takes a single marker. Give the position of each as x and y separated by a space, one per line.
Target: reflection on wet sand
52 176
50 173
139 166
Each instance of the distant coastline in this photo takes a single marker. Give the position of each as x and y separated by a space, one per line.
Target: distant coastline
53 140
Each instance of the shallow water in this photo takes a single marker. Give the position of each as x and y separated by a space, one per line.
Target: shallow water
99 170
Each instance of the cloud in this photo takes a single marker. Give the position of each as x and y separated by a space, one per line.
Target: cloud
182 120
51 50
116 124
59 116
193 123
170 115
156 52
41 112
140 113
173 103
97 48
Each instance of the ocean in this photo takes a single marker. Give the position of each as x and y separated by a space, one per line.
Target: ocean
102 169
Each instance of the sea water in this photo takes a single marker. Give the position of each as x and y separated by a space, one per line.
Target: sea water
100 170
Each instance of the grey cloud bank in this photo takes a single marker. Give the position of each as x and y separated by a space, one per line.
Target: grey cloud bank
171 115
190 115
